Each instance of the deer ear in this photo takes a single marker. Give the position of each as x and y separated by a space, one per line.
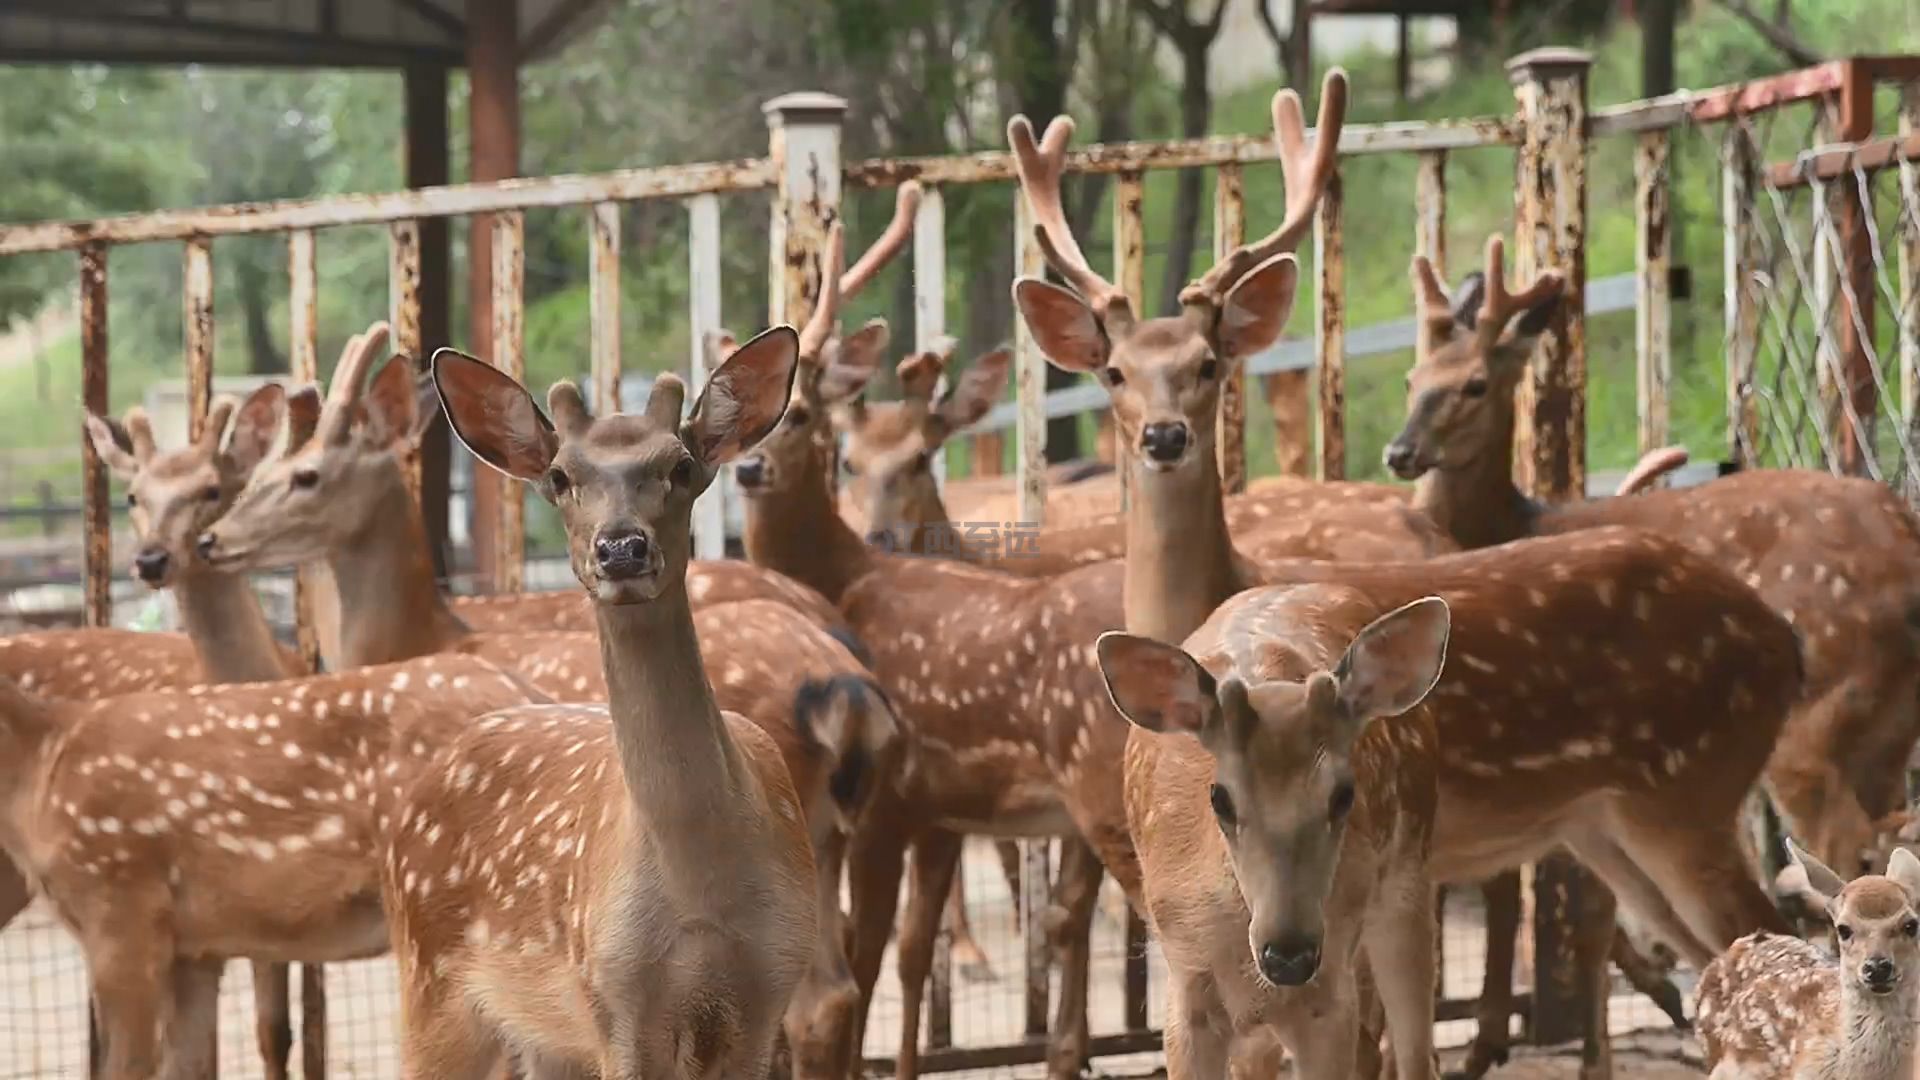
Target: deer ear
851 363
255 425
1515 347
113 444
303 414
744 399
1157 686
1821 882
1063 325
1257 307
980 387
493 416
1904 869
1393 663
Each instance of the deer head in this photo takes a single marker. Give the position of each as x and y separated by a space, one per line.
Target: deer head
890 445
833 369
1282 741
1460 393
175 495
343 457
624 484
1876 920
1164 374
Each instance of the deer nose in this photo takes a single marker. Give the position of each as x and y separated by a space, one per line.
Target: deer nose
1877 973
1399 457
881 539
1164 442
205 545
1290 961
623 555
750 472
151 565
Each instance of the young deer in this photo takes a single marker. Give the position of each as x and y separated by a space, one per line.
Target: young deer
1280 788
1163 376
1778 1008
1837 557
174 829
174 496
643 905
341 495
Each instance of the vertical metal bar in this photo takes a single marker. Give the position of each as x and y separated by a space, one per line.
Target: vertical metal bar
1035 876
403 315
303 343
1330 343
509 355
1030 378
198 291
1550 230
803 144
1741 308
930 291
603 305
1430 224
97 518
1130 274
1908 216
313 1022
1824 207
1229 232
1653 265
1857 329
703 295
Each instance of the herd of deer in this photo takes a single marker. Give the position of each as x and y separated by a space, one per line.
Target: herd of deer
660 830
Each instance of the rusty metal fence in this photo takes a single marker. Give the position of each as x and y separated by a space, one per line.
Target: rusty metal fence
1820 229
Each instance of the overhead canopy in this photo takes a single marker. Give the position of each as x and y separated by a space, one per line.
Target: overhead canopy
297 33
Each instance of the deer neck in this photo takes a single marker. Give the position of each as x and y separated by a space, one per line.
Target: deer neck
229 632
1476 502
390 607
684 776
1875 1037
1180 561
797 530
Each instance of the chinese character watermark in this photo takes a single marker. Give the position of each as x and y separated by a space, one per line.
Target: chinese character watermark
976 540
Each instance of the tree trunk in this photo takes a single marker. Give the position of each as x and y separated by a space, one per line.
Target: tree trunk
1656 47
1196 106
251 283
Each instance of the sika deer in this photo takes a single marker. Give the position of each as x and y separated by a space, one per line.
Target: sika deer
174 496
764 659
1777 1008
643 906
172 830
1281 793
1163 377
1839 558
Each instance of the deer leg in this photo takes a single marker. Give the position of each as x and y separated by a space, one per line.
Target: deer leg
875 855
1399 947
1701 872
1011 868
966 949
1196 1045
1647 978
192 1051
1495 1012
936 854
133 993
1327 1047
443 1040
1598 924
1070 928
15 895
272 1017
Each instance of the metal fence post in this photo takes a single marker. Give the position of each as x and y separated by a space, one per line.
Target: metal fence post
703 298
1854 251
1550 230
1229 231
1330 352
1909 320
199 332
1741 307
1130 274
1653 263
509 355
97 518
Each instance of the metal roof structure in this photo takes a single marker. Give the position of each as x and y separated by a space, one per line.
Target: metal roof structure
275 33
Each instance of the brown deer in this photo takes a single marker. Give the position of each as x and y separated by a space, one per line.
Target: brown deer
1775 1007
341 496
174 495
642 904
1837 557
173 829
1280 788
1182 563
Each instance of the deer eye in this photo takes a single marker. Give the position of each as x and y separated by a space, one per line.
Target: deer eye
847 466
558 483
921 461
1474 387
1222 805
1845 931
1911 928
1340 801
1209 368
683 473
1114 375
212 494
132 499
306 479
798 415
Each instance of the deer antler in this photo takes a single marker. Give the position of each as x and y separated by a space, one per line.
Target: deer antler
349 380
215 424
1040 166
1307 170
1430 298
826 309
1499 306
905 205
920 373
139 429
836 286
